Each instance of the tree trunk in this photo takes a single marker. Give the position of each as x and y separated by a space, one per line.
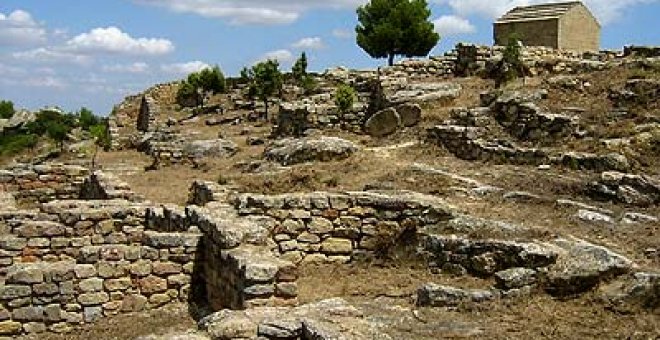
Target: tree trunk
390 59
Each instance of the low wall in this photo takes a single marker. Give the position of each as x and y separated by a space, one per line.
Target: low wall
32 184
74 262
469 143
339 227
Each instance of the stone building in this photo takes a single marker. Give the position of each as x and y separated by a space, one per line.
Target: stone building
566 26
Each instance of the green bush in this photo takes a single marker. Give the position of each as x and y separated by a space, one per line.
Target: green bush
264 80
15 143
344 98
197 84
87 119
6 109
299 70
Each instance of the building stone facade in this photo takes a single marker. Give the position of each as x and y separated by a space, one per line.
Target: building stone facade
566 26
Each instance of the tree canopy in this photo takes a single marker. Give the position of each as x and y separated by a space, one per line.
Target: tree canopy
198 84
389 28
299 69
6 109
265 80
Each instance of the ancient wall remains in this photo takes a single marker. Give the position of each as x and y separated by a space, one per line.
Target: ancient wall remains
32 184
73 262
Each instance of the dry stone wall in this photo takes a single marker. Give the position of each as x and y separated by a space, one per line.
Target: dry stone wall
42 183
328 227
73 262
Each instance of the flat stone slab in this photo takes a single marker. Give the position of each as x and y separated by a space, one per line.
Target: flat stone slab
324 320
293 151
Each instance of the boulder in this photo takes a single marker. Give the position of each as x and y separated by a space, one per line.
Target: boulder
210 148
410 114
582 266
639 289
631 189
515 278
383 123
293 151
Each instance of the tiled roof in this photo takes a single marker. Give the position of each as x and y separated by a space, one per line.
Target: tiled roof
538 12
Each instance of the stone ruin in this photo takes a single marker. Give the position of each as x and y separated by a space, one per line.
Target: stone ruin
377 90
76 247
148 112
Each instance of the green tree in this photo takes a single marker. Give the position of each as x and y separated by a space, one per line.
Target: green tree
265 81
6 109
299 69
512 56
87 119
389 28
344 98
198 84
58 132
101 140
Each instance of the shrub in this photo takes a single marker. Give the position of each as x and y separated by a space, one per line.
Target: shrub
6 109
87 119
344 98
198 84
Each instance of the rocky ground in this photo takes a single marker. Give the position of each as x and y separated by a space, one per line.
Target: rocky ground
570 162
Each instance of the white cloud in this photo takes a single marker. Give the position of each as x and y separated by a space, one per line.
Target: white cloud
35 81
19 28
341 33
50 55
606 11
45 81
137 67
448 25
261 12
113 40
283 56
312 43
185 68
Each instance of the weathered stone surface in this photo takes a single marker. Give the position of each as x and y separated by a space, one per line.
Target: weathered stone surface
91 285
327 319
133 303
25 274
280 329
10 327
594 217
582 266
639 289
228 324
293 151
425 92
210 148
515 278
435 295
152 284
632 218
410 114
383 123
28 314
320 225
626 188
88 299
337 246
92 314
10 292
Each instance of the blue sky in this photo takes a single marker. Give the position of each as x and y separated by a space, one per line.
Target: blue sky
75 53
